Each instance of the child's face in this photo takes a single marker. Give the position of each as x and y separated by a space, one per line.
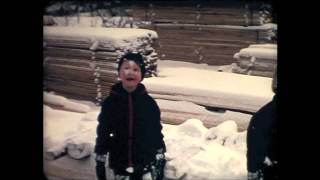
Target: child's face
130 74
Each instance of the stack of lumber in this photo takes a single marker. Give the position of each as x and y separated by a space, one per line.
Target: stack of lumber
190 31
213 89
201 12
238 13
81 62
257 60
209 44
203 32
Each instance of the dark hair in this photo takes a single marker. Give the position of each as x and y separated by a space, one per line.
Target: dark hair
137 58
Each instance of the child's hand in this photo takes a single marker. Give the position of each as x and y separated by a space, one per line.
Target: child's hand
100 167
254 175
160 154
101 158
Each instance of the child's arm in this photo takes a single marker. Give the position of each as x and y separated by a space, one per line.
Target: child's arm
102 146
159 135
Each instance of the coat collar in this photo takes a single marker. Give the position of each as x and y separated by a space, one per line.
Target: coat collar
118 90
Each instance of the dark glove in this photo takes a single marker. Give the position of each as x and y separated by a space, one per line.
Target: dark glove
255 175
160 154
157 169
100 167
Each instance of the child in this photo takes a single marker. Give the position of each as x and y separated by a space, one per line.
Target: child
129 126
262 141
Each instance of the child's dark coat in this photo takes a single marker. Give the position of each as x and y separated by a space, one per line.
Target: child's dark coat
123 114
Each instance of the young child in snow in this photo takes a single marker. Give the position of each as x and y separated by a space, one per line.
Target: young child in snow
129 127
262 144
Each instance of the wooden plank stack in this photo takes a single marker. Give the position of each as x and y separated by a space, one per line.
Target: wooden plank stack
193 31
190 31
256 60
81 62
209 44
198 12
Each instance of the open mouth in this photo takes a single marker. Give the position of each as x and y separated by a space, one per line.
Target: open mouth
130 79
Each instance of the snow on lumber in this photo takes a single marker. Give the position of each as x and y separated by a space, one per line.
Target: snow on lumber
211 44
80 62
257 59
211 88
110 37
64 103
265 53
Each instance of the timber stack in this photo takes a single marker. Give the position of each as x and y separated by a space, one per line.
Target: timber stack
81 62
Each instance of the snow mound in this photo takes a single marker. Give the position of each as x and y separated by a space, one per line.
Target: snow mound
61 101
238 142
91 116
58 127
193 128
217 162
220 133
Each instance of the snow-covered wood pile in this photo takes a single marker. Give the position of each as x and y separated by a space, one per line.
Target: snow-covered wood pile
199 12
237 13
256 60
210 44
193 150
191 31
81 62
209 88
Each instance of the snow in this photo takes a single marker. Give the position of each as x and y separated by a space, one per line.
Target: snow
91 116
190 154
59 126
75 21
53 99
194 156
206 81
211 88
217 162
220 133
268 26
193 151
119 37
271 46
192 108
265 53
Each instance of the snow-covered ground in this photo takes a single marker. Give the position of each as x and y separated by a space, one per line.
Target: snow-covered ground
193 151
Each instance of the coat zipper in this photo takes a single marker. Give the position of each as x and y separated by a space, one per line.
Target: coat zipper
130 131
